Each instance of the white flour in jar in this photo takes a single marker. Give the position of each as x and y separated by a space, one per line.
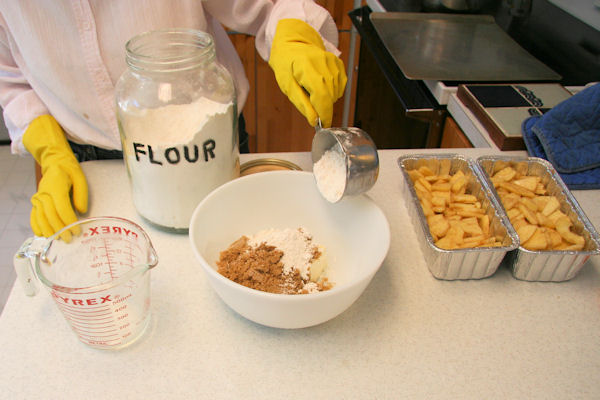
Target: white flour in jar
176 155
330 173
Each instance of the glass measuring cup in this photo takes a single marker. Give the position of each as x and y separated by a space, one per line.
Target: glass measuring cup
100 280
352 160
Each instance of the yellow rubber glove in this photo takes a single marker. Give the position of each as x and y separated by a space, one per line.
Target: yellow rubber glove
311 77
52 210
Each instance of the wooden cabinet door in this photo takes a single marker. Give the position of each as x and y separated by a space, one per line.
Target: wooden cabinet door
453 137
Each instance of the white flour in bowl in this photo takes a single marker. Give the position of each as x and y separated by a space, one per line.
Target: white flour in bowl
296 245
176 155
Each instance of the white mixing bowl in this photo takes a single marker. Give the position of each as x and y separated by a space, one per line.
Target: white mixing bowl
354 232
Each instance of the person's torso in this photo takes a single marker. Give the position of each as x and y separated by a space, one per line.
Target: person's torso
73 53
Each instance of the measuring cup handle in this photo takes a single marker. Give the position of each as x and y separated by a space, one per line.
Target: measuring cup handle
319 125
23 267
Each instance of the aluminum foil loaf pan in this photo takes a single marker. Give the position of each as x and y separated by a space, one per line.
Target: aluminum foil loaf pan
546 265
466 263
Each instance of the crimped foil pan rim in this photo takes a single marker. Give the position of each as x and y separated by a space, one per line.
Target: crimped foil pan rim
494 203
568 195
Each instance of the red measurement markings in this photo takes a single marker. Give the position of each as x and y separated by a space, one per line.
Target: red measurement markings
89 312
100 332
91 324
97 338
91 319
121 308
129 254
96 331
84 313
120 317
87 320
94 323
88 315
109 260
98 326
81 310
120 299
97 323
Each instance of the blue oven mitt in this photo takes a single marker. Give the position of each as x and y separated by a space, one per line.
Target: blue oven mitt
569 137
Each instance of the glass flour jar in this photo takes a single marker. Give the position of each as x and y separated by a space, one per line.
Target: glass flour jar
177 116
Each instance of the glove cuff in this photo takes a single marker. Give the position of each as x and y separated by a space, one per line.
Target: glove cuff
295 30
45 140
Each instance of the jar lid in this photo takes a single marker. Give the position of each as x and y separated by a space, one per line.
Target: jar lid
266 164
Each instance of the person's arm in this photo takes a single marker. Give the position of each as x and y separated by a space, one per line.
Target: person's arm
19 102
32 129
298 38
51 205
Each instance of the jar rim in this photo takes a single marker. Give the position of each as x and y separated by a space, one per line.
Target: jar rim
171 49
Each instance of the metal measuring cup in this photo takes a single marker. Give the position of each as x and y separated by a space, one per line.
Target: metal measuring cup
359 153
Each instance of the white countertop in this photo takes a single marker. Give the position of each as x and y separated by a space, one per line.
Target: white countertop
408 336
